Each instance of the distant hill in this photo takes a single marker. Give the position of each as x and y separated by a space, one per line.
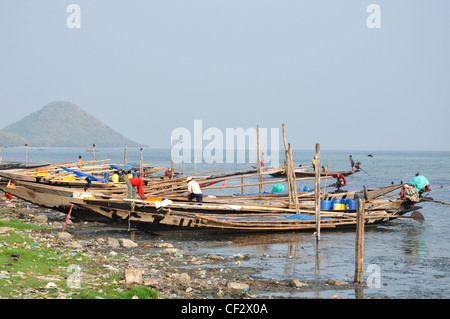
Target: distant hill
11 139
62 124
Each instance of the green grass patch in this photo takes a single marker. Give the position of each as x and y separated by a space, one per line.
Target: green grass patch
27 265
14 223
117 292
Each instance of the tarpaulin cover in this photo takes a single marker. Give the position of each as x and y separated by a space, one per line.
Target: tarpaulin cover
79 174
128 166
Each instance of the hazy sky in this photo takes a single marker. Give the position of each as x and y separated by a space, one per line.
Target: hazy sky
147 67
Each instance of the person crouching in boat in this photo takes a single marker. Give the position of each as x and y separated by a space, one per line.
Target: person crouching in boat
420 183
115 177
341 181
135 184
194 190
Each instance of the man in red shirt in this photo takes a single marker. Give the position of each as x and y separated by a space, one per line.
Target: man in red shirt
133 184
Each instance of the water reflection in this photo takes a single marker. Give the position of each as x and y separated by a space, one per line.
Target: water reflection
299 256
413 242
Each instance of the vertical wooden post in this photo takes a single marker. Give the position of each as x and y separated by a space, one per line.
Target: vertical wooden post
290 174
293 180
287 167
125 155
289 184
326 178
171 157
242 185
26 154
181 156
359 242
259 161
141 166
317 264
317 191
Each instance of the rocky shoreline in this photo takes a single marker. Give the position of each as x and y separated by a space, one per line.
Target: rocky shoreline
153 262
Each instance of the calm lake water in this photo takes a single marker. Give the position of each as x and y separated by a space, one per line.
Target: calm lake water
403 259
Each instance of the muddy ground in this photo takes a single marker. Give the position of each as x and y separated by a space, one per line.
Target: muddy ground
164 265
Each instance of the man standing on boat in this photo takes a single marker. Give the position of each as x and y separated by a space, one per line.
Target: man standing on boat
79 162
194 190
352 163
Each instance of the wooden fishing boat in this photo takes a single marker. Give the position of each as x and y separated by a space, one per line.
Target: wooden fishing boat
148 217
10 165
226 213
365 193
241 216
19 165
50 199
91 173
302 172
205 217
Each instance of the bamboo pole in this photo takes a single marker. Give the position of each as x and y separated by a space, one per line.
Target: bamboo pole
293 179
286 166
359 242
93 156
325 186
141 166
317 191
242 185
181 156
259 161
125 155
171 157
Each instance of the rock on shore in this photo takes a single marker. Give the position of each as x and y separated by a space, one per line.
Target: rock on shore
156 264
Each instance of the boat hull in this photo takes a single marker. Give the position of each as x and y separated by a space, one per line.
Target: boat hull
55 202
302 174
213 216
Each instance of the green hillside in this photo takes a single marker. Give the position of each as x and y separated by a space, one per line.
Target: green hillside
11 139
62 124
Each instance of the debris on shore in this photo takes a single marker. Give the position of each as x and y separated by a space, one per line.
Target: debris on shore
117 264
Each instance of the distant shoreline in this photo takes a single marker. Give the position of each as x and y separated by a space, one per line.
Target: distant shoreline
167 148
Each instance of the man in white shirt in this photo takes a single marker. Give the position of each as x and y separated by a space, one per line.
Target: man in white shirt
194 190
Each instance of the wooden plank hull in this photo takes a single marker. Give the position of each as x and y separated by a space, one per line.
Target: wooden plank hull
304 173
168 219
15 176
208 216
248 219
52 201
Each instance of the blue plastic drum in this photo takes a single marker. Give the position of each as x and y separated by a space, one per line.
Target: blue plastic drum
325 205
